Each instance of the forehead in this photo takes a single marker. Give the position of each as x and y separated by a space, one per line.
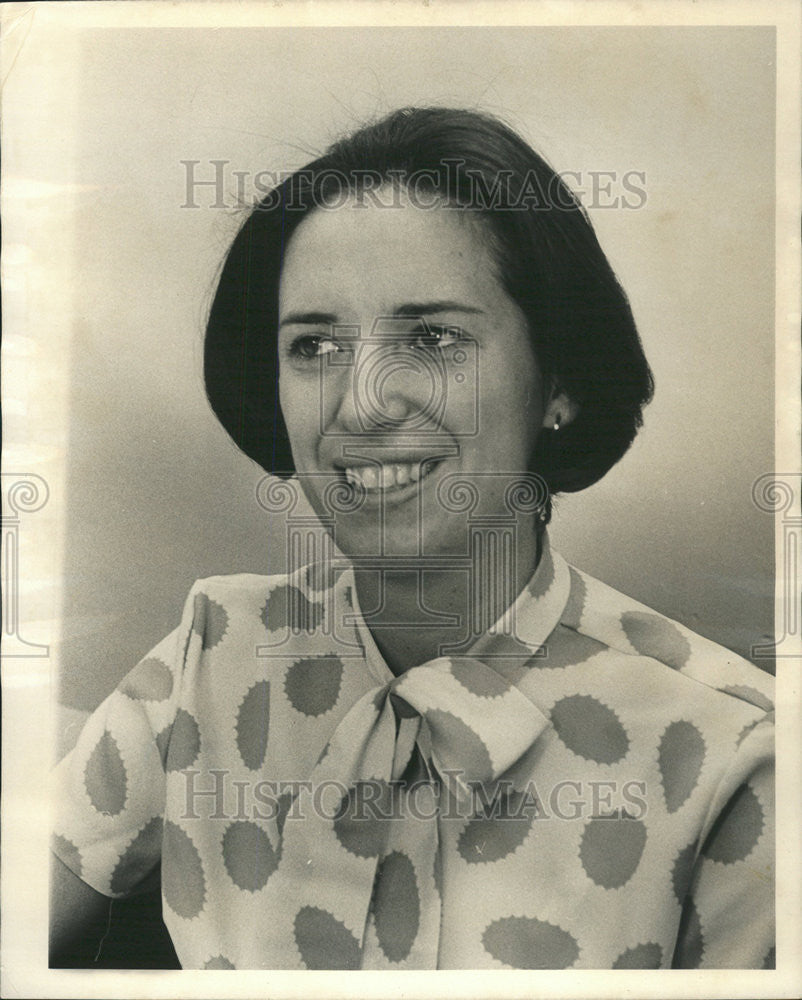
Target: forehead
374 255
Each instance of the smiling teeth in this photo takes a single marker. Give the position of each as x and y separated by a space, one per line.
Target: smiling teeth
387 477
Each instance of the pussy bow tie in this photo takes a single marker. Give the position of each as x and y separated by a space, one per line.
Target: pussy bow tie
468 725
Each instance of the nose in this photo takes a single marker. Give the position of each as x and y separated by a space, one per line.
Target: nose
388 387
382 385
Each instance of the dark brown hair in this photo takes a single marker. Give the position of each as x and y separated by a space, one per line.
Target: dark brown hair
548 258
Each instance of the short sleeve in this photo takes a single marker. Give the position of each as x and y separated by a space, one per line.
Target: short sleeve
108 793
728 918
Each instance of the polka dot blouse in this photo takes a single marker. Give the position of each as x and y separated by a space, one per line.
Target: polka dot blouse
589 786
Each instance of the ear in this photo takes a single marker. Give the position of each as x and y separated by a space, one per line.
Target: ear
560 409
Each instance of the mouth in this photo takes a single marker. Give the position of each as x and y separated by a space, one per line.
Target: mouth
389 478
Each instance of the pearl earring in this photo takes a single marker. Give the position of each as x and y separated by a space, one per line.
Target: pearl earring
557 422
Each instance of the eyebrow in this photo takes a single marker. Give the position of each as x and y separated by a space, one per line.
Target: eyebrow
437 306
406 309
308 319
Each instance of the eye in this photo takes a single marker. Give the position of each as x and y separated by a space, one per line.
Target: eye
435 337
312 345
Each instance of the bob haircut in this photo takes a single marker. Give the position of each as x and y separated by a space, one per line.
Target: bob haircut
549 262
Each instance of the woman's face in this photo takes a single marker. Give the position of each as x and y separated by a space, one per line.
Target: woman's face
402 361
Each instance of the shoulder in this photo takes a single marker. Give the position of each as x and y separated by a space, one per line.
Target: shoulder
671 656
238 590
218 605
237 586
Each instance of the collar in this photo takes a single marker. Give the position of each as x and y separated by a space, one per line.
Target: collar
509 645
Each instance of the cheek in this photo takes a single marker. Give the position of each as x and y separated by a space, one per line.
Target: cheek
296 415
515 415
511 392
528 382
285 404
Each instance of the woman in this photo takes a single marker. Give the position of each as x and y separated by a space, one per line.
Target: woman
443 748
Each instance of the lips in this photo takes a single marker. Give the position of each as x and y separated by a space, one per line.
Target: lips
389 476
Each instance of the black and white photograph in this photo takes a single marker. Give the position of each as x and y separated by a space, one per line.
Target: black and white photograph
401 499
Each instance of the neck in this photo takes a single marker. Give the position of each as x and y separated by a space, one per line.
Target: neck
416 615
